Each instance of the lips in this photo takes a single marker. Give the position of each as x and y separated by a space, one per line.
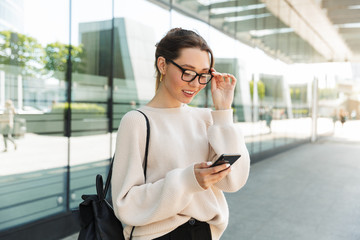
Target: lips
188 93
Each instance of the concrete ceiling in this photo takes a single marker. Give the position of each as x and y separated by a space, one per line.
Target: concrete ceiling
345 17
294 31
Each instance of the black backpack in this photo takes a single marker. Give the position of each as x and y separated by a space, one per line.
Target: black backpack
96 215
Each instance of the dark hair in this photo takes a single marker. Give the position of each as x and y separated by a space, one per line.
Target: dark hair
176 39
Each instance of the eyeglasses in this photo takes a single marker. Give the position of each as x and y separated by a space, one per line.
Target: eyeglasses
189 75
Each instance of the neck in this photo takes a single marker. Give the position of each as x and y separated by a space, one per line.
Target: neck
162 100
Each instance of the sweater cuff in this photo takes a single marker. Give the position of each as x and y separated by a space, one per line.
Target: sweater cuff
222 117
190 179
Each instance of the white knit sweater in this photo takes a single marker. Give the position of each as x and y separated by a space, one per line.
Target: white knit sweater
171 195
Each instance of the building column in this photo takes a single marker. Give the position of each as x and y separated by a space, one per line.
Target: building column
314 110
255 98
2 88
20 92
286 92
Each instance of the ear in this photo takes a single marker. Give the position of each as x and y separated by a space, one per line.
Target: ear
161 64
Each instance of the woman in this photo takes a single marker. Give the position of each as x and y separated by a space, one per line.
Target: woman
182 197
7 125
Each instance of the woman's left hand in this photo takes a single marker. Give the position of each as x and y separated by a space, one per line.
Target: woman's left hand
222 89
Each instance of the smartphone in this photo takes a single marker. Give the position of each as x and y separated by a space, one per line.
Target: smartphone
226 158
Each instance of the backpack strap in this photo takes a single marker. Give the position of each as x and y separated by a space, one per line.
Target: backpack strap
108 179
147 142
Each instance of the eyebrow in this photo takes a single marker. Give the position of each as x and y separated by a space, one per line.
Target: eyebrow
192 67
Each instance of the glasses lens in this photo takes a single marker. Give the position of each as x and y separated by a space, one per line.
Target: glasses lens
188 75
205 78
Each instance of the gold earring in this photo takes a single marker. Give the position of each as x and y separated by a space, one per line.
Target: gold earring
161 77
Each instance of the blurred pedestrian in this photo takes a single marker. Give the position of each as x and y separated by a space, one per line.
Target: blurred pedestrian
342 116
268 117
7 124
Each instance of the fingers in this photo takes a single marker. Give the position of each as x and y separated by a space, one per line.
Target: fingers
217 76
219 168
211 170
225 77
202 165
208 176
218 176
233 78
214 81
215 73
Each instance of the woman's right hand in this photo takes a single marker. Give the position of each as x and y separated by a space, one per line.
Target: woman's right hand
208 176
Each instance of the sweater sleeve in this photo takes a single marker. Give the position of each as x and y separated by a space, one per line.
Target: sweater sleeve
136 202
225 137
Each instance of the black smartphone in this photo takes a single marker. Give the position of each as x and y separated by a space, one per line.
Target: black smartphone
226 158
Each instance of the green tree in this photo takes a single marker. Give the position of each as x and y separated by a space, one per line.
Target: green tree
20 50
26 52
57 54
260 89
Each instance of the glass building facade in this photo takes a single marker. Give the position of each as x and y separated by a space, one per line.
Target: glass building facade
98 58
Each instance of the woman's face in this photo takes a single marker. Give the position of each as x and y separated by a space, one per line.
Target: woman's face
175 89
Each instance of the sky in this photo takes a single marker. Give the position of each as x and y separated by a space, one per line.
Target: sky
41 17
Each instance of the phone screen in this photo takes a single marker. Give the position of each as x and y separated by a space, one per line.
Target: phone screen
226 158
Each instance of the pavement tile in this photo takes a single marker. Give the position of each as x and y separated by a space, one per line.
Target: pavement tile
310 192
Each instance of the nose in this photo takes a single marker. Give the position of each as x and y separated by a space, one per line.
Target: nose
195 82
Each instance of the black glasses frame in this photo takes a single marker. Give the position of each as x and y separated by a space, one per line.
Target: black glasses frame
197 74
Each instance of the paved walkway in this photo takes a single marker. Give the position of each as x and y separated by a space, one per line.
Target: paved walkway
311 192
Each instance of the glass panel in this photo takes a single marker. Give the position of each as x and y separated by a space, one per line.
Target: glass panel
139 25
298 124
92 74
112 50
334 103
32 79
